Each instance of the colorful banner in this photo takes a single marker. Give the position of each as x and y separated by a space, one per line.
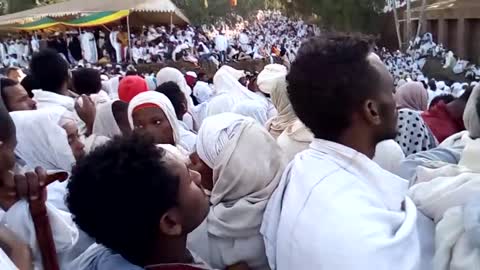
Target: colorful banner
38 25
95 19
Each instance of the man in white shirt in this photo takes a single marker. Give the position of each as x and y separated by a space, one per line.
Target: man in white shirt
335 208
221 45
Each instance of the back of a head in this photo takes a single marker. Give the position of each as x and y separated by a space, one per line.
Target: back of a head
49 70
10 70
111 169
86 81
120 113
130 86
29 84
329 80
176 96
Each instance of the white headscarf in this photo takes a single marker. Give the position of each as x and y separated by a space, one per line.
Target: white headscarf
163 103
270 76
229 92
388 154
240 193
286 116
470 115
253 109
41 139
169 74
105 123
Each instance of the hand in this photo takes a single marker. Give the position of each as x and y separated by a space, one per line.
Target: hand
31 186
86 110
17 251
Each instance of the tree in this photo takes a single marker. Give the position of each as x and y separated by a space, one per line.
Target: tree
19 5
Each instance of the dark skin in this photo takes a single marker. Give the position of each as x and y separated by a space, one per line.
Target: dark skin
177 222
153 122
197 164
456 108
376 120
17 99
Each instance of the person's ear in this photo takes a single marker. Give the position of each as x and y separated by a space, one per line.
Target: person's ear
371 110
170 223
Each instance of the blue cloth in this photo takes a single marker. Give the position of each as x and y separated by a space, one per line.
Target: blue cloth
98 257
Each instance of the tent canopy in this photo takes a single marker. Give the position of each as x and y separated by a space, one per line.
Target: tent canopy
99 18
37 25
162 11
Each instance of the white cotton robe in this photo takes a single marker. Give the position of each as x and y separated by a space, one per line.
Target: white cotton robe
336 209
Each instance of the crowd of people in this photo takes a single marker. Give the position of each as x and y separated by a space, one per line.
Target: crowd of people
346 157
265 35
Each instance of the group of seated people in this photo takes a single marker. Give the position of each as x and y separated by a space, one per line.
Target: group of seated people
322 165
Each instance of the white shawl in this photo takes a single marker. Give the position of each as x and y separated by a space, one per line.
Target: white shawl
470 115
105 123
41 140
445 195
286 116
240 193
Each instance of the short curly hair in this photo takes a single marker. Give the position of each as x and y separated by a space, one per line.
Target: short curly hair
329 80
124 177
49 70
86 81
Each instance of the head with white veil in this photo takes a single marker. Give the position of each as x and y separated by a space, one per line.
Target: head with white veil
48 138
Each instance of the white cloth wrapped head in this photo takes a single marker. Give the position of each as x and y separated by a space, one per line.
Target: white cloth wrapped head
163 103
169 74
41 139
105 123
270 76
471 114
240 193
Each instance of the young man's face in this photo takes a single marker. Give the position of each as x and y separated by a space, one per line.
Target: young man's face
193 204
17 99
387 129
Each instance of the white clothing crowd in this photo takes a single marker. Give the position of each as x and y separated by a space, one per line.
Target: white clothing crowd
279 197
265 35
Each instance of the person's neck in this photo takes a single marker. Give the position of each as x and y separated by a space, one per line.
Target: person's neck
168 250
456 108
359 142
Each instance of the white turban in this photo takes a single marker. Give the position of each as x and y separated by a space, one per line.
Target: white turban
169 74
470 115
105 123
163 103
222 128
228 143
270 76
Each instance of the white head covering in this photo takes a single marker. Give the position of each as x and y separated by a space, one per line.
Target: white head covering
270 76
105 123
169 74
225 82
41 139
388 154
470 115
240 193
254 109
286 116
161 101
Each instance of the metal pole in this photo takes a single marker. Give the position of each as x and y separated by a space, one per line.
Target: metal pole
171 21
422 18
129 39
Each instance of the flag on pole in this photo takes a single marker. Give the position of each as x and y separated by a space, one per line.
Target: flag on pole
205 3
233 3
